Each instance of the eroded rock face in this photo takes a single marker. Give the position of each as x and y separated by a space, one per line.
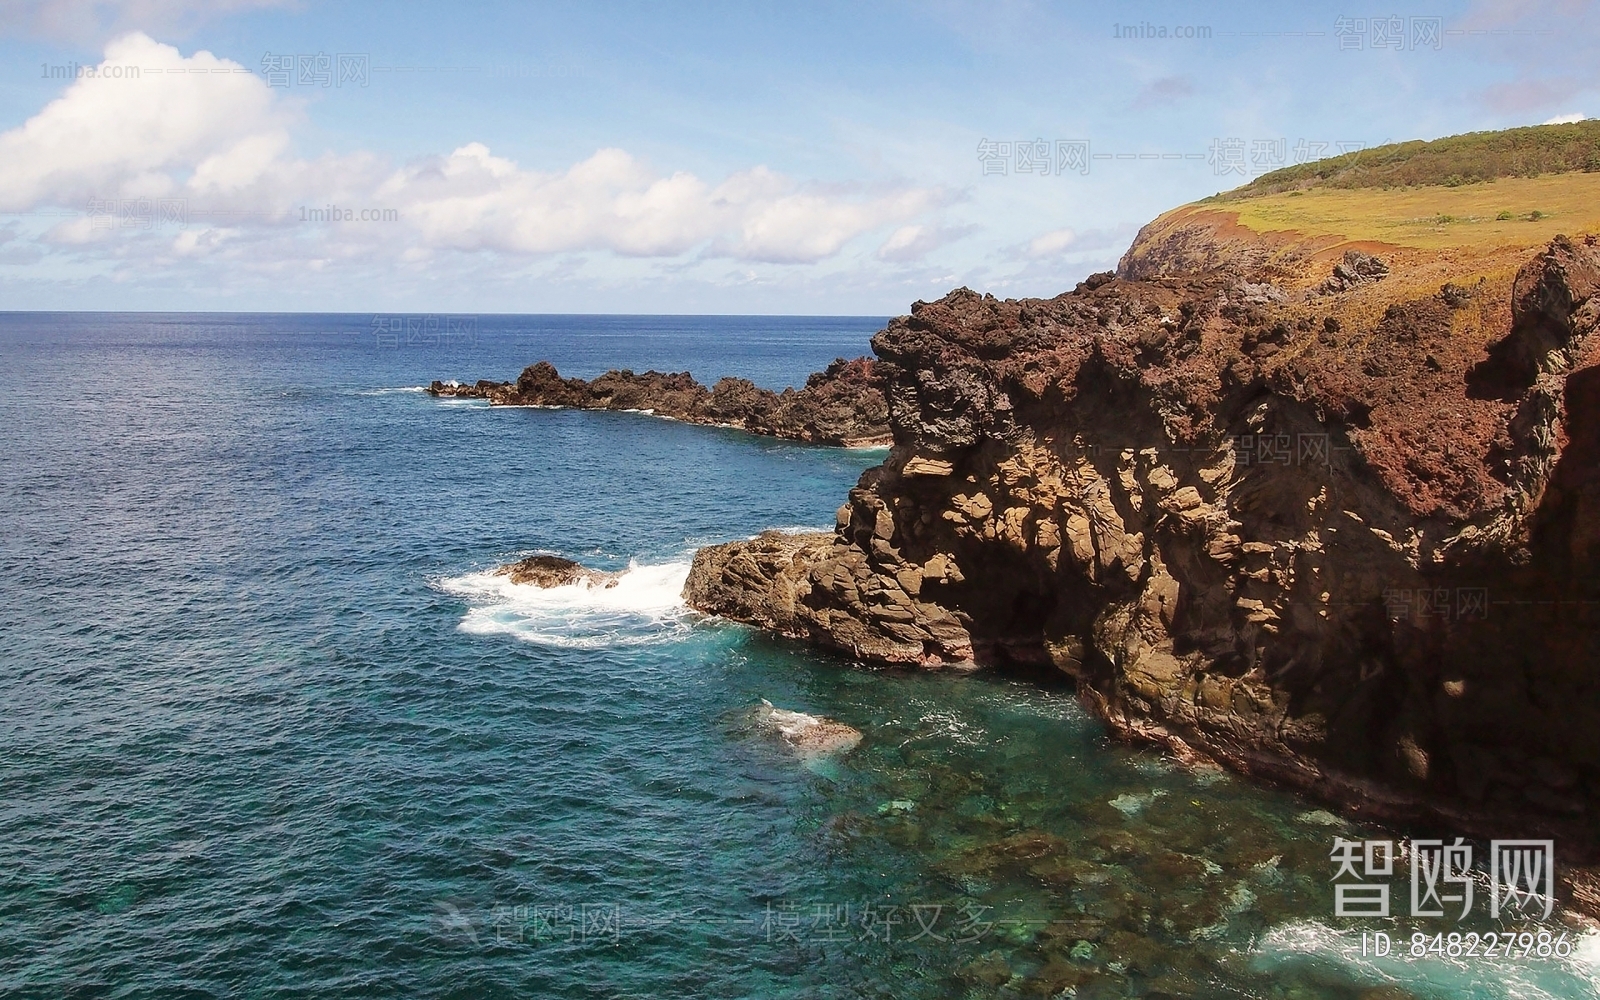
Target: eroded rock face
1356 558
554 571
841 405
818 588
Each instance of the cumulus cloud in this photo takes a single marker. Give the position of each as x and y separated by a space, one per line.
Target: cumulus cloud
797 225
473 200
207 134
1051 243
911 243
1576 116
113 135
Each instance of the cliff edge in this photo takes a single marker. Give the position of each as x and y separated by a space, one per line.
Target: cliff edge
1320 507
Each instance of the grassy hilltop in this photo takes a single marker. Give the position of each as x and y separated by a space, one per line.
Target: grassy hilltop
1449 162
1467 209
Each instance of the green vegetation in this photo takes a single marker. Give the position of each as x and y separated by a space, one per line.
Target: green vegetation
1455 161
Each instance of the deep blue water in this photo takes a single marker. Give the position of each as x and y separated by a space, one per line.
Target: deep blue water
271 729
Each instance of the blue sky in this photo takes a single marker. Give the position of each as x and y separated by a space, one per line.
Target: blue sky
699 158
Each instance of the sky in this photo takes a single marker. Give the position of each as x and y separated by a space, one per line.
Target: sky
611 157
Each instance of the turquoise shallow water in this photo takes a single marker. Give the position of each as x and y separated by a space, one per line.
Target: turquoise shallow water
271 730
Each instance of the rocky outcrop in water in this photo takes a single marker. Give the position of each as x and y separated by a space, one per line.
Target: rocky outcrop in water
1353 553
772 580
554 571
809 736
841 405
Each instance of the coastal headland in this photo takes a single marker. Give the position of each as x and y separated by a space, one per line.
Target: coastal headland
1308 487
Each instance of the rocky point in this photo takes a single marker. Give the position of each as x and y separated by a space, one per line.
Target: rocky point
841 405
1328 526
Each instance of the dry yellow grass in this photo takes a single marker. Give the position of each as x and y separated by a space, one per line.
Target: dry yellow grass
1432 235
1428 235
1435 218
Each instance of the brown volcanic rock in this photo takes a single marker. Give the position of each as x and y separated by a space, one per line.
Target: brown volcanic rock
554 571
481 389
1357 268
813 586
841 405
1351 552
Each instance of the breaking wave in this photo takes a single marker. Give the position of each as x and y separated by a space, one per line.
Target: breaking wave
644 605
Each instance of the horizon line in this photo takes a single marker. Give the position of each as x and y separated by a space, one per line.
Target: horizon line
417 312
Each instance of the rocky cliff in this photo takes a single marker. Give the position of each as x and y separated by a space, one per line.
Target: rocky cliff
1333 528
841 405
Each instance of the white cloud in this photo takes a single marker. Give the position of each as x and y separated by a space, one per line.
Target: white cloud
911 243
220 140
93 21
110 136
1576 116
791 224
1051 243
472 200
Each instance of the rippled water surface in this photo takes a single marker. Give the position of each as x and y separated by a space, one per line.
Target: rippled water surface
271 728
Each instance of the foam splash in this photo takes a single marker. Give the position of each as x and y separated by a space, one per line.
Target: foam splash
790 724
1569 978
644 606
952 726
392 390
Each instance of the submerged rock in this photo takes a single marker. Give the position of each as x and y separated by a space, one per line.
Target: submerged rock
554 571
809 736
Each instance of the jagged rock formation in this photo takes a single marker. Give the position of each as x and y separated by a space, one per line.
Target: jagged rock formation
1343 547
771 581
841 405
1355 269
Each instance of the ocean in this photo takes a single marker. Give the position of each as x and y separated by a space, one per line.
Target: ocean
272 728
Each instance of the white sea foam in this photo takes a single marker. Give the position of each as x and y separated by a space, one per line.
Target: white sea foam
785 721
645 605
1577 975
953 727
936 722
393 389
